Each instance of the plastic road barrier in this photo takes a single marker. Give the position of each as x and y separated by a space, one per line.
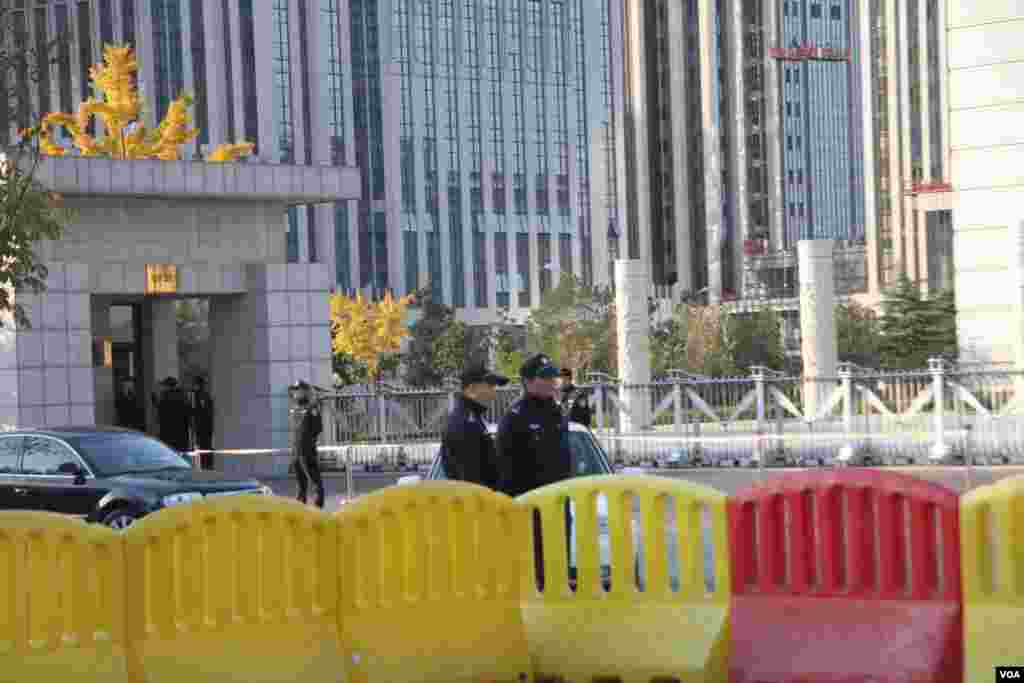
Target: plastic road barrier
431 581
62 610
658 619
846 575
242 588
992 543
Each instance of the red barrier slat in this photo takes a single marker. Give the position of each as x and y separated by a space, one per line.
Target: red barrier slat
862 583
802 552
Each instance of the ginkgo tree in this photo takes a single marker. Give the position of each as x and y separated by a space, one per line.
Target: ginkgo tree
368 331
119 108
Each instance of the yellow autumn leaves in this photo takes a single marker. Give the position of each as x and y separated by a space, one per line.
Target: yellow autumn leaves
124 135
368 330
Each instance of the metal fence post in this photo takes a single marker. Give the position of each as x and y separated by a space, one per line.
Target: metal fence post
848 451
758 376
940 449
382 427
677 408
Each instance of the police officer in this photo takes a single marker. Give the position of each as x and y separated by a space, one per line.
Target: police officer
531 436
306 424
467 449
575 403
202 422
173 414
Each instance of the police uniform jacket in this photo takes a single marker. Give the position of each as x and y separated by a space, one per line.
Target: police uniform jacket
467 449
306 425
532 446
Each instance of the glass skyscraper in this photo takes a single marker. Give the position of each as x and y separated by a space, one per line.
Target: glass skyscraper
488 132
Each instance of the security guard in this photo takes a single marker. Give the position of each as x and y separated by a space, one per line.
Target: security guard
575 402
306 424
531 436
467 449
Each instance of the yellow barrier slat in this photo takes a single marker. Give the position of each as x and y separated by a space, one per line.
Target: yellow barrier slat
992 557
236 589
63 606
659 629
430 585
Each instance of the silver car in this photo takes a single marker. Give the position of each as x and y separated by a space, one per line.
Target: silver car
589 458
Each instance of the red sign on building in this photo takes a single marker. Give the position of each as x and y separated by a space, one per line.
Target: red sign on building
809 51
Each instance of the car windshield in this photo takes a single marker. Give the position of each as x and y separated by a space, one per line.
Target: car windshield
587 458
127 453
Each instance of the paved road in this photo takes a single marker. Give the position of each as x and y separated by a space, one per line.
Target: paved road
727 480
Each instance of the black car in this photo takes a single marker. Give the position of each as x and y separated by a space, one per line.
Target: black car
105 475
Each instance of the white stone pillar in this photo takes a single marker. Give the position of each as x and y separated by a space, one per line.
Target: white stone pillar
817 321
632 284
1017 267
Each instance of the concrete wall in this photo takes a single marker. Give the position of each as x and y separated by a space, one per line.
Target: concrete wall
986 98
208 239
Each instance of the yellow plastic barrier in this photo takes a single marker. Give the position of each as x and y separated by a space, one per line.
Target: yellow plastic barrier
235 589
62 610
675 628
992 561
431 582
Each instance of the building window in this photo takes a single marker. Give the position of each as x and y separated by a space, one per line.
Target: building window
167 52
815 10
837 12
198 45
282 81
127 22
248 49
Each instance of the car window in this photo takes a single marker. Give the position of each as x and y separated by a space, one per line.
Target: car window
10 451
45 456
587 459
110 454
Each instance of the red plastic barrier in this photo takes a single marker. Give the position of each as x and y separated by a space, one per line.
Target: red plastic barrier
845 576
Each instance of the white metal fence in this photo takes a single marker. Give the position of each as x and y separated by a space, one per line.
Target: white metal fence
941 413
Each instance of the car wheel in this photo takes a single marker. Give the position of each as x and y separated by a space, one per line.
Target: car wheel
120 518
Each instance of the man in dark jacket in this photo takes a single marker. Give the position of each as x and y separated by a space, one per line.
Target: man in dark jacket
531 437
467 449
575 403
306 424
173 414
202 422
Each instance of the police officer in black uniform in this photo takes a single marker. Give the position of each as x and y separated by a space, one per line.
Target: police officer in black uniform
202 422
173 415
531 436
467 449
575 402
306 424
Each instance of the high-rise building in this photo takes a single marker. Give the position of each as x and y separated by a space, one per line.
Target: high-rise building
488 132
771 121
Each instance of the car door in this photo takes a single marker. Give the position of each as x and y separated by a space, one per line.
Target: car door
47 482
10 453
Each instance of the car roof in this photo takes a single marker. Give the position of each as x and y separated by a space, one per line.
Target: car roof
69 431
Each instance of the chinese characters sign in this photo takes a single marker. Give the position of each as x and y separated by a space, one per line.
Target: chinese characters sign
161 278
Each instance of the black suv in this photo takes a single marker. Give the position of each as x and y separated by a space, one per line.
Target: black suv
105 475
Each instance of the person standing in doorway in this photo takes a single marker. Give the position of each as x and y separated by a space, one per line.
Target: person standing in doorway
202 422
467 448
128 410
306 424
173 414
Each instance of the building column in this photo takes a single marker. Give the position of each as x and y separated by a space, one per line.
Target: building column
103 375
286 319
632 285
46 370
817 321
